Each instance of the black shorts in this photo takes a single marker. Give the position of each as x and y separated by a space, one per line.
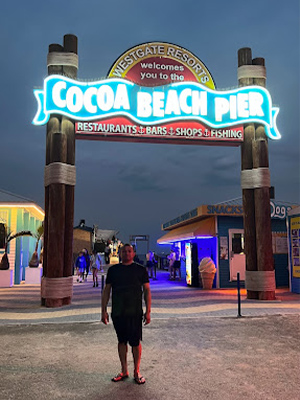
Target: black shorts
176 264
128 329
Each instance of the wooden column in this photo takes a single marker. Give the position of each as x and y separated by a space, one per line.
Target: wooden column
53 126
59 193
265 261
245 58
70 46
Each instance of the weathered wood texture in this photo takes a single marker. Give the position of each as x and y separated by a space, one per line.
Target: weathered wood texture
256 202
265 260
59 198
70 46
245 58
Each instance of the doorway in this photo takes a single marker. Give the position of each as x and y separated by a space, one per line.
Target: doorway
237 259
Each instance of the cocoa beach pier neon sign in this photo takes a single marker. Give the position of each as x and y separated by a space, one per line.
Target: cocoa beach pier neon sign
166 95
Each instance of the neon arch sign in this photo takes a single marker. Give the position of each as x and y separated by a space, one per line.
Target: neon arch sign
82 101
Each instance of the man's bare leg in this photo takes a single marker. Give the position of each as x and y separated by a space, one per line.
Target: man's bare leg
122 350
137 354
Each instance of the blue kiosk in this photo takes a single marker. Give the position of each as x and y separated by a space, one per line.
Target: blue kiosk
217 231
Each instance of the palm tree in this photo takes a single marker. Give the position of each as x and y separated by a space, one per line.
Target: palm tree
34 261
4 264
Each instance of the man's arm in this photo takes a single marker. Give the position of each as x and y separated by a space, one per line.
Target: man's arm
105 299
147 298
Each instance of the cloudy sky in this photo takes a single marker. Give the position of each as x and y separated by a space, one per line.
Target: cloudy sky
134 187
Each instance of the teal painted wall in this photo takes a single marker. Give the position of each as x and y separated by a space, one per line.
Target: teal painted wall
24 245
25 240
225 223
280 260
19 245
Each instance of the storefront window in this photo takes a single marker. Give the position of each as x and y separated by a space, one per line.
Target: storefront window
238 243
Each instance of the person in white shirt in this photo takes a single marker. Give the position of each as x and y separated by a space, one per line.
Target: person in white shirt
95 265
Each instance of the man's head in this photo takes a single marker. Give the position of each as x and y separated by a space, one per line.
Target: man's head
127 254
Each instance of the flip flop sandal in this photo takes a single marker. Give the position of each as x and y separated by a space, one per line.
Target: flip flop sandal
140 380
119 377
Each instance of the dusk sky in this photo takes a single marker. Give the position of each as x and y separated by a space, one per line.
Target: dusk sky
133 187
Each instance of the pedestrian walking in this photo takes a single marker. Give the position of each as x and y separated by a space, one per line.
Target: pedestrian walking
87 262
107 252
150 264
128 281
95 266
80 265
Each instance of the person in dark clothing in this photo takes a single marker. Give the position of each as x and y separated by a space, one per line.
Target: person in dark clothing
150 264
107 252
87 262
128 281
80 265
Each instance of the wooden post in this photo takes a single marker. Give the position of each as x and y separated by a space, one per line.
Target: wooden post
265 261
245 58
56 218
70 45
57 281
53 126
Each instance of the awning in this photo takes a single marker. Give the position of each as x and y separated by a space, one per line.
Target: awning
205 227
105 234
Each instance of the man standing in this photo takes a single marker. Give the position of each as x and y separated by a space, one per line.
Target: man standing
128 281
171 257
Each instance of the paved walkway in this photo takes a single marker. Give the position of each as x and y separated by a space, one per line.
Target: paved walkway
21 304
195 347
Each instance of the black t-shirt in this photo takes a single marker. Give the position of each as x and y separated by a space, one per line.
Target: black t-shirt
126 282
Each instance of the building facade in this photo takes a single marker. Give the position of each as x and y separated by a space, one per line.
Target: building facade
82 238
19 214
294 248
216 231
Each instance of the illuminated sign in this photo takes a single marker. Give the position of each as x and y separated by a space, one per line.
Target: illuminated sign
159 93
188 263
173 132
148 106
159 63
279 211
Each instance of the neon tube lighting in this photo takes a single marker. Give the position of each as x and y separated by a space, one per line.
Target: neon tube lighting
155 105
186 239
